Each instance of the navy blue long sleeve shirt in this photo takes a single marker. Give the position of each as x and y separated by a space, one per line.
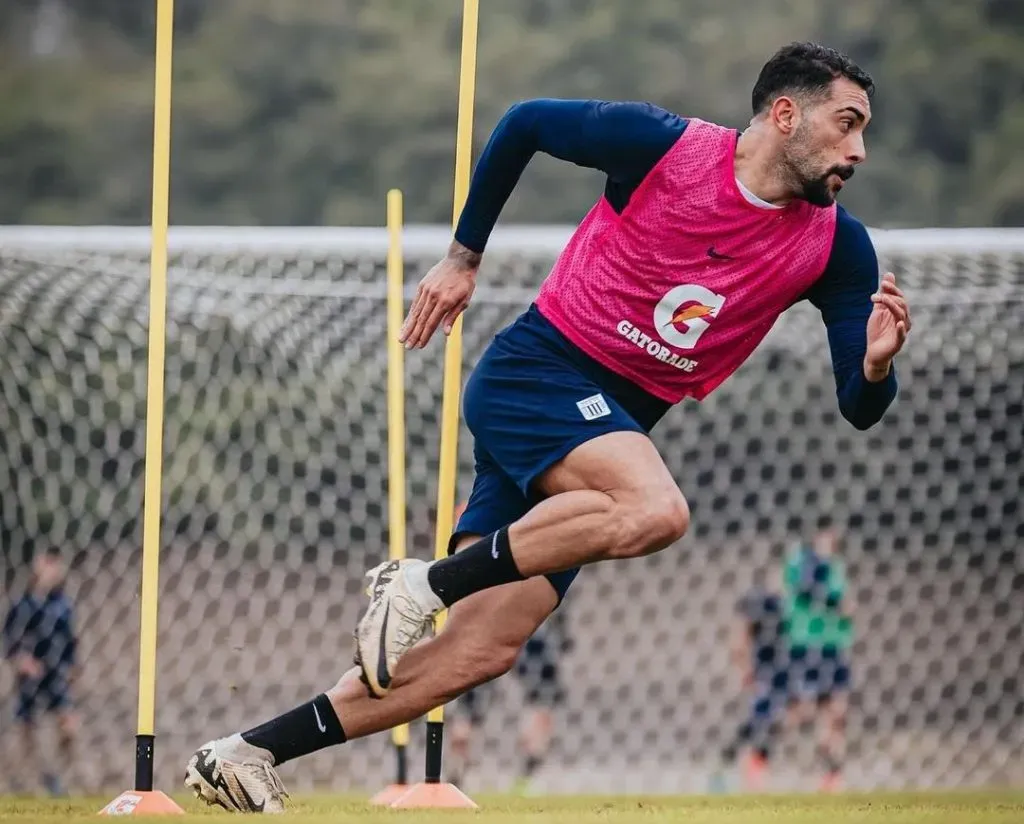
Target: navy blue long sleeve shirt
625 141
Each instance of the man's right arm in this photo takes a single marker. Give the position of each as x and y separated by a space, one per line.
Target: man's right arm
623 140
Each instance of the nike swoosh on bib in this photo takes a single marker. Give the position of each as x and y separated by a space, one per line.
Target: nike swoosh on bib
718 255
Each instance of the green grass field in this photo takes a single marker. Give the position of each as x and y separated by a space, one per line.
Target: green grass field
935 808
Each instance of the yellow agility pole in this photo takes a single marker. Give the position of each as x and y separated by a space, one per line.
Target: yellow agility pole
396 449
432 793
396 417
144 800
155 391
448 470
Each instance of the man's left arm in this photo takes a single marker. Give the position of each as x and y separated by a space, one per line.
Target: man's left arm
867 322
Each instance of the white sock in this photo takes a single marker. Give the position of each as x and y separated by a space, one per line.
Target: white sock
235 748
419 587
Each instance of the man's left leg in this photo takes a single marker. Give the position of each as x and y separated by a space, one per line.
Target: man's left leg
538 671
463 720
479 642
756 736
26 774
833 705
67 729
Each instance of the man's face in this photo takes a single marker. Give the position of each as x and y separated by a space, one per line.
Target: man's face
826 543
828 142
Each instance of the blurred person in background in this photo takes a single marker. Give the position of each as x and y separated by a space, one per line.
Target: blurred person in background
757 649
819 635
40 643
537 670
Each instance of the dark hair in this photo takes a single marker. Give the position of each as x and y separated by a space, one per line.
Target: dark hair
805 67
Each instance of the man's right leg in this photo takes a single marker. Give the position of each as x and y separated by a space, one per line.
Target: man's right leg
610 497
480 641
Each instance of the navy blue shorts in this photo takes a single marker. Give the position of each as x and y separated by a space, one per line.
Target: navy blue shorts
532 399
818 675
49 694
769 694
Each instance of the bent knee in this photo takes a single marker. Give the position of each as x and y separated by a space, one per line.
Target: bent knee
651 522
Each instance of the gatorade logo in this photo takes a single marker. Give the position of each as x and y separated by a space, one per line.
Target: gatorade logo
682 316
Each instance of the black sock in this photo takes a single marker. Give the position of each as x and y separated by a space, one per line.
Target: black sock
530 765
487 563
300 731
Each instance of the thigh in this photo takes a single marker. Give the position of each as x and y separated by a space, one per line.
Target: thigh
55 694
834 682
622 464
529 407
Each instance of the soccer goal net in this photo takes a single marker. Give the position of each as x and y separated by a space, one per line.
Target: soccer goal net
275 503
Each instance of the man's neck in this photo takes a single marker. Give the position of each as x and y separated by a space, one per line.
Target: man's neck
756 166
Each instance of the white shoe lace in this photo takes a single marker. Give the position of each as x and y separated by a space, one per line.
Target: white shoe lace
274 779
413 625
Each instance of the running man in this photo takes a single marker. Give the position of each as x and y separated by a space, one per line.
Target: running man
703 237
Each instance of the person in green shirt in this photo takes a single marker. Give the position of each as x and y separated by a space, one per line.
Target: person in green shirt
819 635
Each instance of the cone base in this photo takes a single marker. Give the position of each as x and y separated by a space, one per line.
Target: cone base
433 797
142 803
389 794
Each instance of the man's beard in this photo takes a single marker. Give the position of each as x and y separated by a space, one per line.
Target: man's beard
816 190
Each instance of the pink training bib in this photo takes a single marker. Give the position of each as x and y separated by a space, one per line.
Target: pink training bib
677 291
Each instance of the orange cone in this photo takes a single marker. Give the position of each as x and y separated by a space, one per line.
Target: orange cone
433 797
142 803
389 795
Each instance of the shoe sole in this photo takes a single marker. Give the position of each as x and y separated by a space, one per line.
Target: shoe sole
363 658
367 661
202 788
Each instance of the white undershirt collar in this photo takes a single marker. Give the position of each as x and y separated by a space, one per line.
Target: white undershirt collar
752 198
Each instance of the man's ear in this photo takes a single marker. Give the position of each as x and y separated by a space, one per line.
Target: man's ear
785 114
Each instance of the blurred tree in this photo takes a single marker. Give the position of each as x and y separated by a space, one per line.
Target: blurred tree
307 111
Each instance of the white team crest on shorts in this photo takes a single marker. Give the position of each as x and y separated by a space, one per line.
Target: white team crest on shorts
593 407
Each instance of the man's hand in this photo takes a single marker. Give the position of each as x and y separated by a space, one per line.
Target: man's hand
887 328
28 667
442 296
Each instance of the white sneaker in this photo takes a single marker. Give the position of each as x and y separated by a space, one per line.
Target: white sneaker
236 775
400 613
